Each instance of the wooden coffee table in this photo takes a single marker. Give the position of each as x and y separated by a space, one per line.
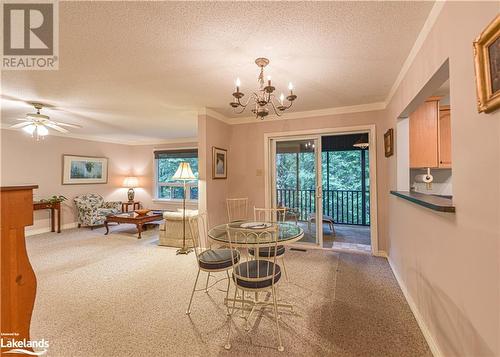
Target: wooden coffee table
133 218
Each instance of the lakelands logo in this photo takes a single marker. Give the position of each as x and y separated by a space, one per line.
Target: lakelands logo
30 35
21 346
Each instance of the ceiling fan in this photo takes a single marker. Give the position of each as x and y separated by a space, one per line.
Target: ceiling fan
37 124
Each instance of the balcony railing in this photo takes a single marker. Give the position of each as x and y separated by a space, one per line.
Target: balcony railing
344 206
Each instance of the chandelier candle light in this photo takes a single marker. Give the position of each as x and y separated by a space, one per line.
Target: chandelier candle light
264 97
184 173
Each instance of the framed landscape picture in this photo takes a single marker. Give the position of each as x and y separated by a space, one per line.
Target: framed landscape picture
82 170
219 163
487 61
389 142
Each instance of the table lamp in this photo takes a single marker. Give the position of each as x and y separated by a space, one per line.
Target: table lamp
131 183
184 173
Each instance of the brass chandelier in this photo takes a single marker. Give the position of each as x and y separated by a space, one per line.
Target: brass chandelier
263 99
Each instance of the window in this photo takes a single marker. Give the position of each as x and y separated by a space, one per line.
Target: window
166 163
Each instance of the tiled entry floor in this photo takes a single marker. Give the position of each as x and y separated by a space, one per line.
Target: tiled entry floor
351 246
346 237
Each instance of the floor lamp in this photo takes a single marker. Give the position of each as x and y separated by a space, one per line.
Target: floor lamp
184 173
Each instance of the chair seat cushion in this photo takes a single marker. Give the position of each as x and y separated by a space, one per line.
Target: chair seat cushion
268 252
261 269
214 259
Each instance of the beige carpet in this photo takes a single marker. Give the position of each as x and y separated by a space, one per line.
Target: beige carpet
118 296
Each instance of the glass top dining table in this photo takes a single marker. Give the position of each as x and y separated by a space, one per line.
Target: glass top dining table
287 233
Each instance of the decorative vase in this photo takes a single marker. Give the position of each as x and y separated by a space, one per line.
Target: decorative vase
131 194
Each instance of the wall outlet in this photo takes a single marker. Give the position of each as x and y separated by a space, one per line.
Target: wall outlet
258 172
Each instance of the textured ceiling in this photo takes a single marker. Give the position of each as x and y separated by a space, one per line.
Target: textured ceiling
135 71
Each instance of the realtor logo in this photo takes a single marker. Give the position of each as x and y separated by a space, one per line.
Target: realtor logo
30 35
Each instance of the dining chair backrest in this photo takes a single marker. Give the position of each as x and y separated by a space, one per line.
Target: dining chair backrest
253 238
198 225
269 214
237 209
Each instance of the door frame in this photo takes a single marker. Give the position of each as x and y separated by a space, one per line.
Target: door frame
319 179
372 152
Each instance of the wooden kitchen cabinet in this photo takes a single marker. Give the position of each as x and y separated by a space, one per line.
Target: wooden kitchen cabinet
430 136
444 137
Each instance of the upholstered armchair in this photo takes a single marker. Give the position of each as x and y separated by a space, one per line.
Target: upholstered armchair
92 209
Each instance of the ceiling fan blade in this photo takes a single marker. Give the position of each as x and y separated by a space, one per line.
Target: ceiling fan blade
55 127
20 125
66 124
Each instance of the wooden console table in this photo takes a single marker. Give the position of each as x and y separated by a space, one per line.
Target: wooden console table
18 282
52 207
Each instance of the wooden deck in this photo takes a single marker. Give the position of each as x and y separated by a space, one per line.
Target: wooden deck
347 236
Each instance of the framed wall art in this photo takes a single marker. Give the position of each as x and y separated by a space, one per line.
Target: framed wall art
82 170
389 142
487 63
219 163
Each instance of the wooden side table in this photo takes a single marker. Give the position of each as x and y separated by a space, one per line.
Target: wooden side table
135 205
53 207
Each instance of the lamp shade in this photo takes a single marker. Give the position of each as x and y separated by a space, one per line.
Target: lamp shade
131 182
184 172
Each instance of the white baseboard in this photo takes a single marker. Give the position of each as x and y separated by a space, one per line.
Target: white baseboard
32 232
436 352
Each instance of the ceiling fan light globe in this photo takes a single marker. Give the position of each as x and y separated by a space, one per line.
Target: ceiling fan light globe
29 129
42 130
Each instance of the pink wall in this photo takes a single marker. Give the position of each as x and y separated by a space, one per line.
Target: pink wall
213 193
247 169
26 161
449 263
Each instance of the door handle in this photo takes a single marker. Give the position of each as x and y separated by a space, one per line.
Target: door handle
319 192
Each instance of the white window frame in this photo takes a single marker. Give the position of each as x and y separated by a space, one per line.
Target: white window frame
189 185
157 184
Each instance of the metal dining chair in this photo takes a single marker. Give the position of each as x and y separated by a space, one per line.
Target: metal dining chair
254 275
271 215
237 209
209 260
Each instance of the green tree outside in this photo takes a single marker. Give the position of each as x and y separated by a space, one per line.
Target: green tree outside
341 171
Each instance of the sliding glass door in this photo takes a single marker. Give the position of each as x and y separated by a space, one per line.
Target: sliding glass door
296 183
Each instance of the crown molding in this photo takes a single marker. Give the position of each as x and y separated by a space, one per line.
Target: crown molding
213 114
422 36
193 139
4 126
301 115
